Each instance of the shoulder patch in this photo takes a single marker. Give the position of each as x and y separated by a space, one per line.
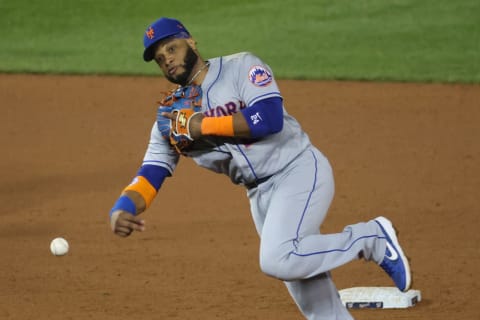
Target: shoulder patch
259 76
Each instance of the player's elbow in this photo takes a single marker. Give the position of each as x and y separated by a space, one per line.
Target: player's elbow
277 124
274 116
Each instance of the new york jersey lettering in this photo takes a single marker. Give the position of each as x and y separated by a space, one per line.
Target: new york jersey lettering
227 109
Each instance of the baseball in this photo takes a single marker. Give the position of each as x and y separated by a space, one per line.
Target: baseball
59 247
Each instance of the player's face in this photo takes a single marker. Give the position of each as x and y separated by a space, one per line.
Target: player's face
177 59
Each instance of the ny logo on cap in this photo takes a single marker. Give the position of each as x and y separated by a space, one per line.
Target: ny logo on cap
150 33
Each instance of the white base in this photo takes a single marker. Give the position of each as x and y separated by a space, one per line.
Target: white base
379 298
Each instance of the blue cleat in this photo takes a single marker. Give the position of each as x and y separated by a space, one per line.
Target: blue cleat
394 263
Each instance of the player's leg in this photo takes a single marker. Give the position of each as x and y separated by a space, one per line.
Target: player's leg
317 298
296 202
288 218
292 247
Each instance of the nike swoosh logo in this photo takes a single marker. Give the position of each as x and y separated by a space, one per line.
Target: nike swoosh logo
393 253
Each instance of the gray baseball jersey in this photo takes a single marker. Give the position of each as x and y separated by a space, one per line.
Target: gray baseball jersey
294 191
230 85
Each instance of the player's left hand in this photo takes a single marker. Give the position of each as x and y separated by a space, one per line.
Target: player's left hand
185 123
179 116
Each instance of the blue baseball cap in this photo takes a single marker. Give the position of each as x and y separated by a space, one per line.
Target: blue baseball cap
159 30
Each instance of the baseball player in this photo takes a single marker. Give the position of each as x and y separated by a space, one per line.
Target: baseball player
240 128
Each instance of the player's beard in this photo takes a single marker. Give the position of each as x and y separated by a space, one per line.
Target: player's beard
189 62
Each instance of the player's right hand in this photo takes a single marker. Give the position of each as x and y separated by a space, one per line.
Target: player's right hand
124 223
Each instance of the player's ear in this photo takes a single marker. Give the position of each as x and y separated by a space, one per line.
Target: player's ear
192 43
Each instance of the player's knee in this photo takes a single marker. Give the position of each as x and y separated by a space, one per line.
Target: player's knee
277 264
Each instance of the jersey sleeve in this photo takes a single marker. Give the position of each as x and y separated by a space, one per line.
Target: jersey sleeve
159 152
255 80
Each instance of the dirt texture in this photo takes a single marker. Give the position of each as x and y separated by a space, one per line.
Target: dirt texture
70 144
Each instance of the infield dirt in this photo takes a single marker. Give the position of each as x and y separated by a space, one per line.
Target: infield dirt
70 144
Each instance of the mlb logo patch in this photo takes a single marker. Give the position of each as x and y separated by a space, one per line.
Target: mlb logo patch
259 76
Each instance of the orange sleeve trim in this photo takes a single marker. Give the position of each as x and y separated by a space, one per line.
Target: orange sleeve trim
218 126
144 188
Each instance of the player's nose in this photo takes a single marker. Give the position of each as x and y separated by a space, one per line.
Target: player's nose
169 60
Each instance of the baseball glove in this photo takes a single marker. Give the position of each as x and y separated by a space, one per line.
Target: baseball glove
184 103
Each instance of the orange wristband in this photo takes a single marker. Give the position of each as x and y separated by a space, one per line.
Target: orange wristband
218 126
142 186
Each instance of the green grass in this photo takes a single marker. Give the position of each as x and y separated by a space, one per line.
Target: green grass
394 40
